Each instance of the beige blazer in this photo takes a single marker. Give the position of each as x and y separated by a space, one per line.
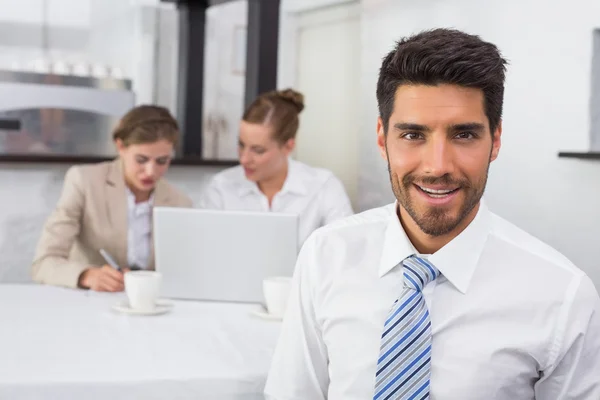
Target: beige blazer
91 215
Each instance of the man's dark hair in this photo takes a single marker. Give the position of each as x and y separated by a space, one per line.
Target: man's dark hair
443 56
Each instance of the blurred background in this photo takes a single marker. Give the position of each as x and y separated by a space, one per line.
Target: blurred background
69 68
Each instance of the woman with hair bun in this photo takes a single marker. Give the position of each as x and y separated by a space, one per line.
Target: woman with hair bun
267 179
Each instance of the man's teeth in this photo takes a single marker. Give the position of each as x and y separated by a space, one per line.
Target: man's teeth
436 193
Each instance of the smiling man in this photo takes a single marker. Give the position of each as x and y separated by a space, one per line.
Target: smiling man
435 296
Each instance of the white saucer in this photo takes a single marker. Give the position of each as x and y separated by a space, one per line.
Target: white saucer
162 307
264 314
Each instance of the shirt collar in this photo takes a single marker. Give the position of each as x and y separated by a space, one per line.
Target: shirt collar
294 182
246 186
457 260
140 208
396 245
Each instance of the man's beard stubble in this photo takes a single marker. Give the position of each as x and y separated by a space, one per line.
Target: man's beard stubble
435 221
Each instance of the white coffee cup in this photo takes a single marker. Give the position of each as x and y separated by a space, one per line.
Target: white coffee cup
142 289
276 291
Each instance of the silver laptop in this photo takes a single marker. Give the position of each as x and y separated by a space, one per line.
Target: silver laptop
222 255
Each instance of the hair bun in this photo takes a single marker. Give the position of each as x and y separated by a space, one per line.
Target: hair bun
292 96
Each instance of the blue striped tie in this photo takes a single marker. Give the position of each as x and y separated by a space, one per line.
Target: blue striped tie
404 365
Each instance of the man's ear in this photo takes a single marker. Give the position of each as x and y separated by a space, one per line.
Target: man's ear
381 137
496 142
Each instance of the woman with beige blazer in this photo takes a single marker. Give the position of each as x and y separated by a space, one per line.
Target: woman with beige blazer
109 206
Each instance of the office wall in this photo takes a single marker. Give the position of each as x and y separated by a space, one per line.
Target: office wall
549 45
319 56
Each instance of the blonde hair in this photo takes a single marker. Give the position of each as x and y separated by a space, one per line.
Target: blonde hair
279 109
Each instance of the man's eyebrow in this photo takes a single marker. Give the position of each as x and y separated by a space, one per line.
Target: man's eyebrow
407 126
468 126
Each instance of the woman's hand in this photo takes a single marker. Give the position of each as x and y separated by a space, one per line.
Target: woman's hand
103 279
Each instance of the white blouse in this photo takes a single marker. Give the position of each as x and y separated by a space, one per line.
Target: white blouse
139 231
314 194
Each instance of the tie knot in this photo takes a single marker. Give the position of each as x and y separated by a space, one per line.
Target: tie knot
418 272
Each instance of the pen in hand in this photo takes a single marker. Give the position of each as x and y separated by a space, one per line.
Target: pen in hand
109 259
107 278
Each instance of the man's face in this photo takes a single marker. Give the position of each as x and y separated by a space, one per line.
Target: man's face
438 148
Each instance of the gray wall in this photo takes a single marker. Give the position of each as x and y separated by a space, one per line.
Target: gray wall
595 95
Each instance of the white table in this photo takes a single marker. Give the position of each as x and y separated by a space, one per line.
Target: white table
66 344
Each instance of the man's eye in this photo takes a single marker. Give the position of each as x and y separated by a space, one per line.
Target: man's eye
412 136
466 135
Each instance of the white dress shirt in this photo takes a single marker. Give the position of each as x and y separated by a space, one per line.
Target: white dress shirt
314 194
139 231
511 317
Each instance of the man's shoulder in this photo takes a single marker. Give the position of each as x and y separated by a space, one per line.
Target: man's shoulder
338 246
355 227
521 242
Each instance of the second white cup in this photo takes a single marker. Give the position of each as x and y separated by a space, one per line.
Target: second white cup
277 291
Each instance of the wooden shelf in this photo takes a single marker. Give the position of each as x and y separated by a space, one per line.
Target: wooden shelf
48 158
582 155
